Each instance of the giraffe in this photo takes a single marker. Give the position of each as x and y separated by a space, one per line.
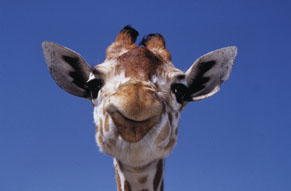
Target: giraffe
137 95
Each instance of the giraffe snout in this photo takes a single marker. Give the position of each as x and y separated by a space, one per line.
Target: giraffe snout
135 109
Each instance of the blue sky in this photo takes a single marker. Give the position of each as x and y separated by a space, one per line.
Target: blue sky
238 140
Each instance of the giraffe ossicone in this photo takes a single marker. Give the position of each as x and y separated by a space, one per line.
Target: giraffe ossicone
138 94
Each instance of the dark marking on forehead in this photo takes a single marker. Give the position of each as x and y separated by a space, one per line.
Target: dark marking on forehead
139 63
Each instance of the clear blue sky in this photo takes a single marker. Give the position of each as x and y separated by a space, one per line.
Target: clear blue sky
238 140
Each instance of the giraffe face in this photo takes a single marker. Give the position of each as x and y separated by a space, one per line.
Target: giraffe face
136 111
137 93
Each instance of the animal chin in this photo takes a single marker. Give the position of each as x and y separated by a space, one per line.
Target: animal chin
130 130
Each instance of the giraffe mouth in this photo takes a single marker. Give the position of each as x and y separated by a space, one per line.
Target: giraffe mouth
131 130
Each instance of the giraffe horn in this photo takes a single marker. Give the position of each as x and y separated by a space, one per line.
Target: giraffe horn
156 43
127 35
124 40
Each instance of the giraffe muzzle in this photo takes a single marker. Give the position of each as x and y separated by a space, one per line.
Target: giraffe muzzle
133 123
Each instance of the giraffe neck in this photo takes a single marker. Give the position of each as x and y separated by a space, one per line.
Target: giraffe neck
147 178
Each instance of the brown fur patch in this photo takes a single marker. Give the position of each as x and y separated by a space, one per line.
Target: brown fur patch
156 44
106 123
114 50
96 128
100 140
124 41
101 125
137 101
176 131
170 144
138 63
143 179
127 186
118 181
163 53
124 38
154 41
163 134
159 174
100 137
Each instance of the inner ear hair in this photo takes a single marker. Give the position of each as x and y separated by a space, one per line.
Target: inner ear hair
69 70
208 72
197 79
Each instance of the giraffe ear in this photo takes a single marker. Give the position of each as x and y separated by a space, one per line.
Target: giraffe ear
207 73
68 68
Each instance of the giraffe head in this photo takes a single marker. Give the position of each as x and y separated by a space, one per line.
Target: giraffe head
137 92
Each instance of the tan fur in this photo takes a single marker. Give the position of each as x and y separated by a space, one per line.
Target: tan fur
157 45
118 181
101 124
140 95
106 124
96 128
116 49
100 138
171 144
138 63
122 43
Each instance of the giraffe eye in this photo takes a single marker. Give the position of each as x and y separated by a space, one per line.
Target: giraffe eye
180 91
93 87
